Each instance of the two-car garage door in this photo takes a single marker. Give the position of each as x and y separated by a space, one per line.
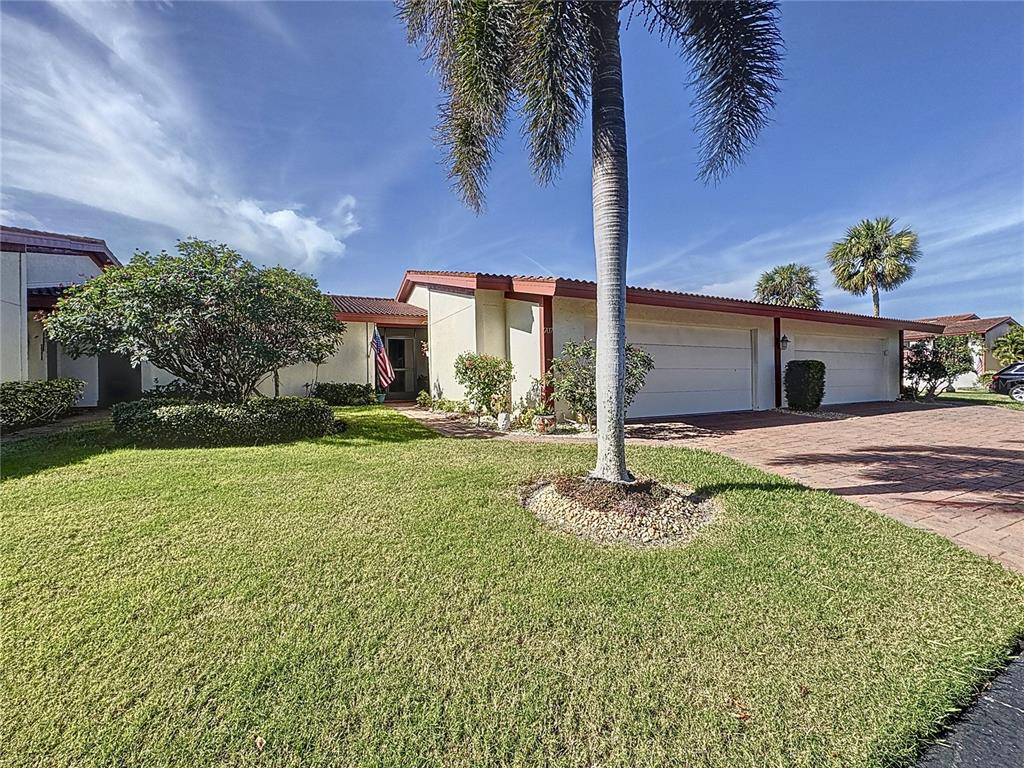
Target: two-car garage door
697 369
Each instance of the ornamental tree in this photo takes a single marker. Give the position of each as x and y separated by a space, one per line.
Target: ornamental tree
487 381
206 315
1009 348
573 377
933 365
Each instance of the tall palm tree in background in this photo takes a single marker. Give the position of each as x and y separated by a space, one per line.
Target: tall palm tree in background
550 61
874 258
790 285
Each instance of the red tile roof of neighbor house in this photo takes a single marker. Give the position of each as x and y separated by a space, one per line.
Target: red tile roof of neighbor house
531 285
23 240
377 310
958 325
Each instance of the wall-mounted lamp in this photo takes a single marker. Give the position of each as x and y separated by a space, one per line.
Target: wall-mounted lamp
784 342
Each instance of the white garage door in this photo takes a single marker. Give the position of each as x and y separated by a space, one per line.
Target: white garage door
696 370
855 368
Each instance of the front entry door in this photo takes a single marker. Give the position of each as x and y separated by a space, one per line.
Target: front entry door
403 360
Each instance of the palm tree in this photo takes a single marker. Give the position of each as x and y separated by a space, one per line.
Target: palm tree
872 258
791 285
550 61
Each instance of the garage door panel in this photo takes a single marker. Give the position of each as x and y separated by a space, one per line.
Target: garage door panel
674 335
696 369
697 380
670 403
712 358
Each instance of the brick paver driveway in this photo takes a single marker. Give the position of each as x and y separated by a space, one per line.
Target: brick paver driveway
953 469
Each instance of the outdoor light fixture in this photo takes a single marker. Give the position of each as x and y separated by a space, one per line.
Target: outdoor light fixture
784 342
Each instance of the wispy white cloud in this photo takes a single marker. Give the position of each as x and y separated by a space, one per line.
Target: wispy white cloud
97 112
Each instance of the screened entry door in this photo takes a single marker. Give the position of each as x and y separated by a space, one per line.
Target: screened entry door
403 360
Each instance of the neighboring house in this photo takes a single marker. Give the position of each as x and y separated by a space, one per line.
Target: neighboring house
711 354
35 267
983 331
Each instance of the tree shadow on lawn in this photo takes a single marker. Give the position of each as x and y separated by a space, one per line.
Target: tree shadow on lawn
57 449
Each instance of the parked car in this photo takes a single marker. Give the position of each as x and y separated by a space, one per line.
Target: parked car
1009 381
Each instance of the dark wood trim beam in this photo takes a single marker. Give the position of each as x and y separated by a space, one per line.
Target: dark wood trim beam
777 344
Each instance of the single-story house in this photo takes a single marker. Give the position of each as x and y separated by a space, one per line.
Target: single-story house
711 354
35 267
984 332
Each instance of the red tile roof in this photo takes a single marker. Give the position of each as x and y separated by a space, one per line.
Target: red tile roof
958 325
371 305
572 287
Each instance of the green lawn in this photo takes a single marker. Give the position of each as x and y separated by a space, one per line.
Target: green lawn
982 398
379 598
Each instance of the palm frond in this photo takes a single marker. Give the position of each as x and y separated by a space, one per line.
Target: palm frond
554 79
473 48
735 49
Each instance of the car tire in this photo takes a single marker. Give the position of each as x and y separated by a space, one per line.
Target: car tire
1017 392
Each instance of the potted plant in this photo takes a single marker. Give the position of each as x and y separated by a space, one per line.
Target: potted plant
381 394
544 417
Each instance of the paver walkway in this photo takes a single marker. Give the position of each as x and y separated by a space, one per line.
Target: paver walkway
957 470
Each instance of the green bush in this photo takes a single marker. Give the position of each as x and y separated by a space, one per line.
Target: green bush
450 406
24 403
159 421
985 378
805 384
341 393
424 400
487 380
573 377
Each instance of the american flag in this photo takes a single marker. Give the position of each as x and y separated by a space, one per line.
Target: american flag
385 372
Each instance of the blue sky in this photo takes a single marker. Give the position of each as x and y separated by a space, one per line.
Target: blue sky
302 134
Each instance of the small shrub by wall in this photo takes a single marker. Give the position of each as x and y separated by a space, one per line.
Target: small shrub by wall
487 380
26 403
341 393
157 421
805 384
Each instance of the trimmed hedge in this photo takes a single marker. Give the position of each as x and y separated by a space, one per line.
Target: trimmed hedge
158 421
24 403
805 384
341 393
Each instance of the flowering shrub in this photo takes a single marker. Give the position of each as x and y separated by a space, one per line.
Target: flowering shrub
572 377
487 380
931 366
160 421
339 393
24 403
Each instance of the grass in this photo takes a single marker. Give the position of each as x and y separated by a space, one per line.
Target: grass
379 598
975 397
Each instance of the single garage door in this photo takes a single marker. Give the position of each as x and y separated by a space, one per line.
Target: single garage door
696 370
855 368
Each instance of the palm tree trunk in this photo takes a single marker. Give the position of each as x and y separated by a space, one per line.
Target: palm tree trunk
611 229
874 298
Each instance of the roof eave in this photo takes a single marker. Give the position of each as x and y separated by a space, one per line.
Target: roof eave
579 289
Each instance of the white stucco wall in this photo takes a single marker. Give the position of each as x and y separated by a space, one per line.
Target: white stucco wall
13 318
351 364
990 361
451 330
491 333
524 339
